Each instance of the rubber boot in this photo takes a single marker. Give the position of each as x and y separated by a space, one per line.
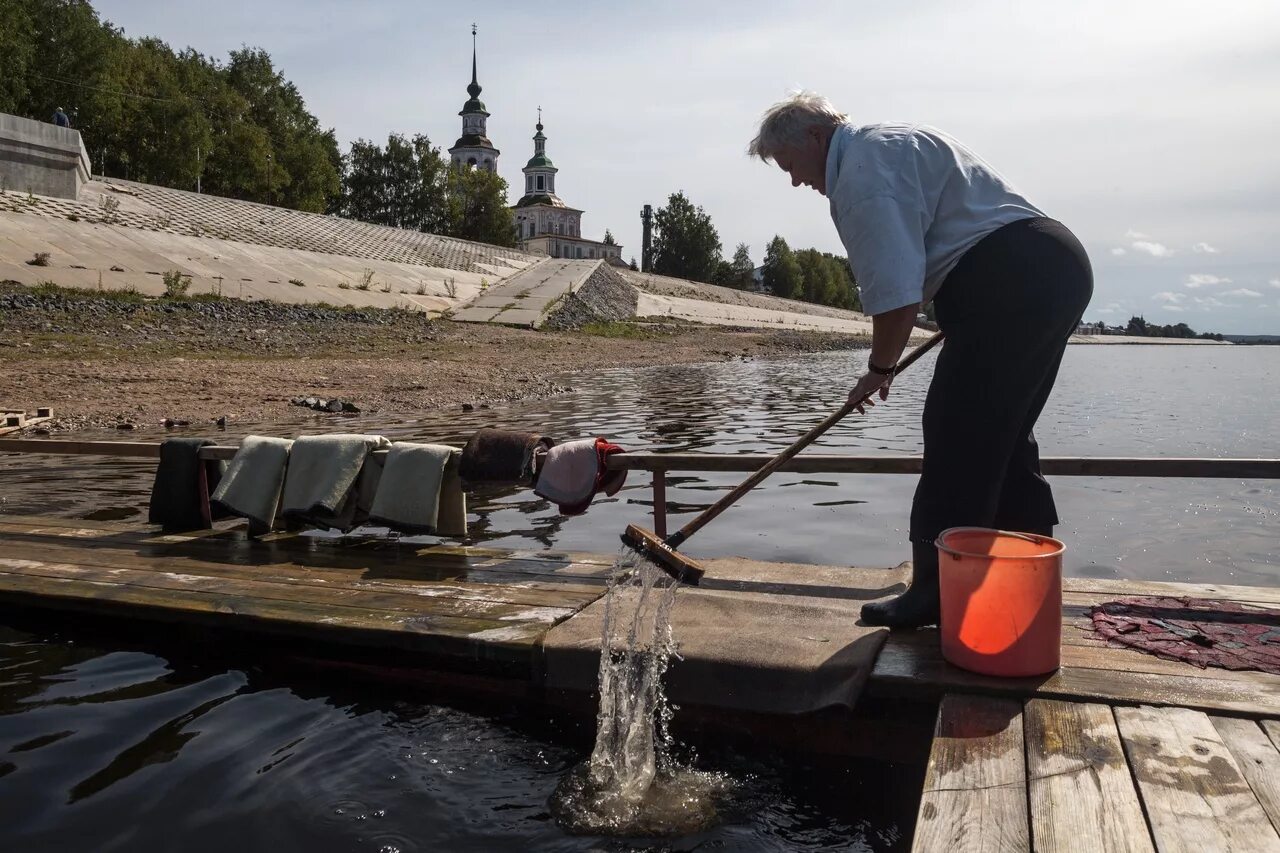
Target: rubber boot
919 605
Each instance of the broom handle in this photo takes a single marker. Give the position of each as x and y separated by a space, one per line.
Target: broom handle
675 539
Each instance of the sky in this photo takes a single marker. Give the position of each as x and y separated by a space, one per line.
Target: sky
1149 128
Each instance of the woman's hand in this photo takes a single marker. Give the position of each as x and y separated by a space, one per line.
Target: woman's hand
868 384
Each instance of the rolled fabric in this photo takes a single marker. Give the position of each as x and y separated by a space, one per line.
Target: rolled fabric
420 491
254 480
502 456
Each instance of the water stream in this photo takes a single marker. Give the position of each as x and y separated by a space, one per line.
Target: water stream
633 785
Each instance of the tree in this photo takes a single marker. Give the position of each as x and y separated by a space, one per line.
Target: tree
685 243
782 274
1137 326
742 267
634 265
477 207
608 238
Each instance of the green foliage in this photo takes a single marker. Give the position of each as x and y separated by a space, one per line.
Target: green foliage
616 329
150 114
477 208
685 243
176 284
782 274
608 238
1140 327
809 275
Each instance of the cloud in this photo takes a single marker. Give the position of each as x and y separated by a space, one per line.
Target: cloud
1135 235
1118 250
1208 302
1195 280
1155 250
1173 308
1169 296
1204 248
1275 282
1244 291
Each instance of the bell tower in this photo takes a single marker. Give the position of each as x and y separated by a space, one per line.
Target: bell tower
473 148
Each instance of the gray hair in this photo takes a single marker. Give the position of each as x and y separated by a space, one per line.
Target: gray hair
785 123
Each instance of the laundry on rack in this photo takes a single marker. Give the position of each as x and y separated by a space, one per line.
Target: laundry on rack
575 472
253 482
332 479
182 485
420 490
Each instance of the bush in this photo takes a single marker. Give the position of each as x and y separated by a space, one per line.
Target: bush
176 284
41 259
297 282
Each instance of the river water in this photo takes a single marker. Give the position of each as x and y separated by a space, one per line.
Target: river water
1109 401
108 745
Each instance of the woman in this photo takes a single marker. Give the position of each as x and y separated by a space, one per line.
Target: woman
922 219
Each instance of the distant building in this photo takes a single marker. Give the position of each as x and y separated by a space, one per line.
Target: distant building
544 223
473 148
757 280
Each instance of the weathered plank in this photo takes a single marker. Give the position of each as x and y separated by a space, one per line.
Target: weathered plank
1272 728
1082 797
916 670
1259 761
518 590
975 786
1095 591
443 636
1195 796
321 594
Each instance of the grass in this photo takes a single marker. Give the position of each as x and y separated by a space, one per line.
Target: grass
297 282
616 329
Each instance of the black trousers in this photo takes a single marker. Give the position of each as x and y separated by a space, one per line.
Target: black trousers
1007 308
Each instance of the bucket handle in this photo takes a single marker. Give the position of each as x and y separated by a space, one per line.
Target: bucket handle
1029 537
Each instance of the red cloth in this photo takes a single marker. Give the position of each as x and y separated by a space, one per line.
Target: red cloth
1202 632
607 481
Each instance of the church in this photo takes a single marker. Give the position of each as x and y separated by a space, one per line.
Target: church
544 223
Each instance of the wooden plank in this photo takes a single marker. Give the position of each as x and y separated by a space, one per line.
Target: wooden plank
518 590
397 601
1272 728
144 449
1259 761
975 787
1091 591
915 672
355 551
1195 796
235 529
449 637
1082 797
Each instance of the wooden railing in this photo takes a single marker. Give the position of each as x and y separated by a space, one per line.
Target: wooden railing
743 463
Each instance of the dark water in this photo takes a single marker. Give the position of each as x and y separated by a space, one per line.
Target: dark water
106 746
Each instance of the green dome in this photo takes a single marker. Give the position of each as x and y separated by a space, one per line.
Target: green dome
540 161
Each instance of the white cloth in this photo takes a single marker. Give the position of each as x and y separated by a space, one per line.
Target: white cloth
568 474
331 479
908 201
420 490
253 482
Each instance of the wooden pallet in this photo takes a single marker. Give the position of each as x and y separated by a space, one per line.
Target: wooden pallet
13 420
1052 775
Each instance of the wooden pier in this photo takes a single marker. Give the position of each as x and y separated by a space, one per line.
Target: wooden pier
1117 750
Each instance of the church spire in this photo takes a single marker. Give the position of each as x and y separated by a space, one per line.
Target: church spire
474 89
473 148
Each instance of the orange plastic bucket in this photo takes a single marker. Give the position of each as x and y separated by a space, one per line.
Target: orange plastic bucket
1001 595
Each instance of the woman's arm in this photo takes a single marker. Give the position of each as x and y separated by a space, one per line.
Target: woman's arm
890 333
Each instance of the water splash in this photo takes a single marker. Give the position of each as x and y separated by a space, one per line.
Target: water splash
631 784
